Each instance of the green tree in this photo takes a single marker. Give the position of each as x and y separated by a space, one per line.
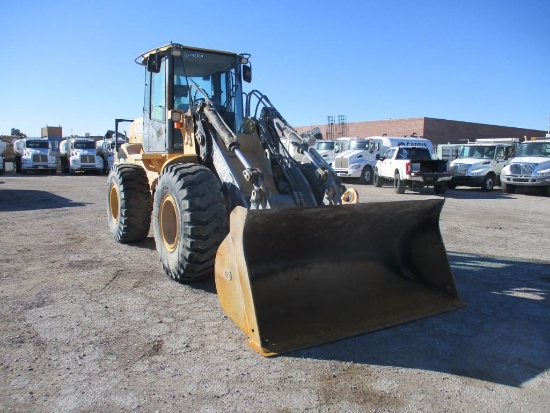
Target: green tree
18 133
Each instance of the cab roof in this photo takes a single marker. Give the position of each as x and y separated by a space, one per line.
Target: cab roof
142 58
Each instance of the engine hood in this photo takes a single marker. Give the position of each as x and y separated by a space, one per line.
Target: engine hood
471 161
531 159
353 153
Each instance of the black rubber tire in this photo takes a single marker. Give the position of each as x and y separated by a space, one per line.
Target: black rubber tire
377 180
366 175
399 185
316 185
548 190
440 188
508 189
488 183
128 203
189 221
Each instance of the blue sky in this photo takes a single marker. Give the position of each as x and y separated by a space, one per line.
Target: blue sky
72 63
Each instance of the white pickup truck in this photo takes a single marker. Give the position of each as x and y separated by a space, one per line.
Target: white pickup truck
530 168
411 167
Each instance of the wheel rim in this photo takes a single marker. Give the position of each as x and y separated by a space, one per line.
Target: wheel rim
489 184
168 220
114 203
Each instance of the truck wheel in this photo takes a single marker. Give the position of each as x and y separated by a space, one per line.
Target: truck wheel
548 190
317 186
399 185
488 183
128 203
378 181
506 188
189 221
440 189
366 175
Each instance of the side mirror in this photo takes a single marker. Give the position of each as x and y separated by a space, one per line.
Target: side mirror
153 63
247 73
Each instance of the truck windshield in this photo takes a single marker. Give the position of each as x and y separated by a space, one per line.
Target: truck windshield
214 73
38 144
360 145
84 145
534 149
477 151
325 146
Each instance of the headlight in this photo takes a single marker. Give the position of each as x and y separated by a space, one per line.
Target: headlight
544 172
355 166
99 161
26 159
51 159
74 160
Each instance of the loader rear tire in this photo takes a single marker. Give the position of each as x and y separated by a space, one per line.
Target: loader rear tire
128 203
189 221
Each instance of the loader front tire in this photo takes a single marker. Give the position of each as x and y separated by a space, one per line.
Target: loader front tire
189 221
128 203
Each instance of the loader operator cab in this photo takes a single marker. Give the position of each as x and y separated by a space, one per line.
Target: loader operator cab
179 77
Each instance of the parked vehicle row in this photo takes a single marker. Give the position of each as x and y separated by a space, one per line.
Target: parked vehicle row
74 155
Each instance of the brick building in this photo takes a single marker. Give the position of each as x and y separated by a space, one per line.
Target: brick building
436 130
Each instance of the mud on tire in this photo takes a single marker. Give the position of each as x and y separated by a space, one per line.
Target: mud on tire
189 221
128 203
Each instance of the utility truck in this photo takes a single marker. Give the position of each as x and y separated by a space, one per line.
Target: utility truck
224 197
359 158
480 163
529 168
79 155
34 155
411 167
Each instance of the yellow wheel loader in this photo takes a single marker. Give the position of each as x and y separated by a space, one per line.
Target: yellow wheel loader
297 260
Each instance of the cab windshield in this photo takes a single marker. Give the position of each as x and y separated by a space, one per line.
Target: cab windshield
38 144
477 151
325 146
84 145
359 145
199 73
534 149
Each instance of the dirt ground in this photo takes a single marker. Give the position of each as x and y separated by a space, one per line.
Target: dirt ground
89 325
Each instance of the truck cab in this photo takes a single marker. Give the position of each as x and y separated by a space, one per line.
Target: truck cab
529 168
329 148
358 160
79 154
34 155
479 164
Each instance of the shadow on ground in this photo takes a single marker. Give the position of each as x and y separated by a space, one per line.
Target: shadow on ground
30 200
502 336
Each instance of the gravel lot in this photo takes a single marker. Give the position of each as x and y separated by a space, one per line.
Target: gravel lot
89 325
